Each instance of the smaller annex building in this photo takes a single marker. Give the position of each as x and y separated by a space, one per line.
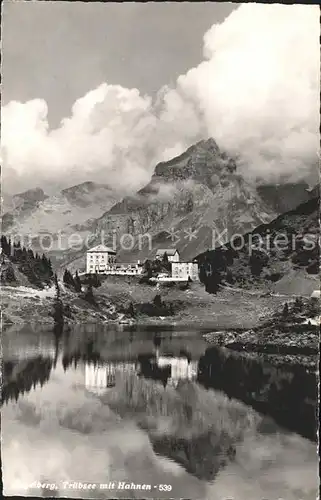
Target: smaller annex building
172 254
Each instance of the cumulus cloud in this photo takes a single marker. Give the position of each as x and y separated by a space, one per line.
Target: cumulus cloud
256 92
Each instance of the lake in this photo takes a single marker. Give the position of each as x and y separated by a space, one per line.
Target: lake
99 412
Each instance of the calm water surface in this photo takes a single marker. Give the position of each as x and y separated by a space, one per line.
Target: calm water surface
60 423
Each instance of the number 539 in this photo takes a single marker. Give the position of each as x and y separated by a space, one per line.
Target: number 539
164 487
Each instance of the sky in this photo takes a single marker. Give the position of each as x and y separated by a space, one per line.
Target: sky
58 51
103 92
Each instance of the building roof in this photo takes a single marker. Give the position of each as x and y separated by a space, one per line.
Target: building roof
186 262
315 294
101 248
168 251
126 265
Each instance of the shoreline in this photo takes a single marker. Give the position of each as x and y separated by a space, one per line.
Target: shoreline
231 318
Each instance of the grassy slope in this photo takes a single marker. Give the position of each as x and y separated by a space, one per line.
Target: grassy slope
227 309
24 304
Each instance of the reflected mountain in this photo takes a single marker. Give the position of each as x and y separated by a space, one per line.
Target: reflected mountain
84 354
286 391
203 456
19 377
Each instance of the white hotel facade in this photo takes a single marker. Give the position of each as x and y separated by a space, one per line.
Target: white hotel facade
102 260
99 259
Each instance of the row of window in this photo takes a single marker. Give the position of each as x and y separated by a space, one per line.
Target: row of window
102 258
130 271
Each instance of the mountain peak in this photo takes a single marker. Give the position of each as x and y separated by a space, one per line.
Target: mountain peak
199 162
208 144
84 187
85 193
32 195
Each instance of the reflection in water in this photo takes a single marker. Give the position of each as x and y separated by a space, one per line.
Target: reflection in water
198 454
99 378
103 376
166 368
101 394
19 377
287 392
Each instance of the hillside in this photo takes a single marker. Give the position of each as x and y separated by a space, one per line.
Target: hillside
281 256
21 266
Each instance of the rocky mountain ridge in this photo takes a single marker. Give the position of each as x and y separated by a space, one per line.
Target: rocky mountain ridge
191 203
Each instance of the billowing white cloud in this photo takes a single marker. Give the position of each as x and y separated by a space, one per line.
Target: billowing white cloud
256 92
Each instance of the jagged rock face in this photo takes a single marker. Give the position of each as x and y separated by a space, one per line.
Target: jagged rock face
199 162
197 196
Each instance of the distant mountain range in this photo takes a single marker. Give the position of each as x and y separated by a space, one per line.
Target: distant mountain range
35 214
189 202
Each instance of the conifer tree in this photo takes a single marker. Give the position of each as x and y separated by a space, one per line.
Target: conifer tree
157 301
89 295
131 310
77 282
65 277
58 313
285 311
50 272
31 254
95 280
57 286
165 258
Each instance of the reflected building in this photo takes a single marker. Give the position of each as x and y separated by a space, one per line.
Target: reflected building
167 369
99 377
181 368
